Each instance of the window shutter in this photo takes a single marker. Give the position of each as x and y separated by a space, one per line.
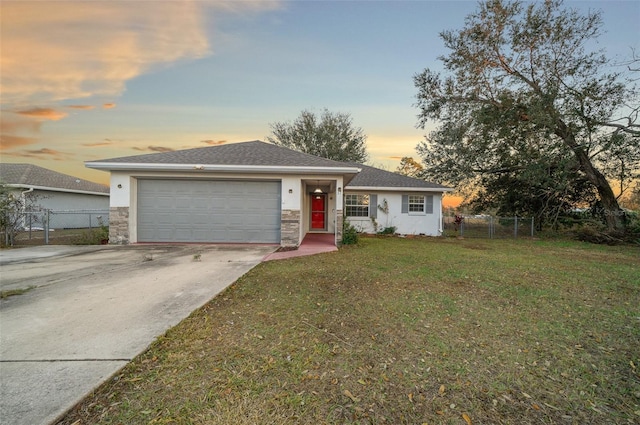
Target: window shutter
405 204
373 206
428 204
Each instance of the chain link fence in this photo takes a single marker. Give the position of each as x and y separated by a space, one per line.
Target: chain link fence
56 227
486 226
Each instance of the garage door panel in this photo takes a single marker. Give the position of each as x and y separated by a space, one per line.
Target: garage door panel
208 211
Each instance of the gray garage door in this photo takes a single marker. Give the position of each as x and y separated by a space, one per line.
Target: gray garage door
208 211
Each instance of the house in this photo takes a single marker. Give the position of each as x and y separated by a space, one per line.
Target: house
376 199
45 189
256 192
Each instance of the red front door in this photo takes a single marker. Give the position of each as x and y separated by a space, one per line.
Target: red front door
318 212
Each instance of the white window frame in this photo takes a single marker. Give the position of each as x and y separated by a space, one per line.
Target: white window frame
362 204
416 204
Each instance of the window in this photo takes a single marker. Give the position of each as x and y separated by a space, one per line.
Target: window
357 205
416 203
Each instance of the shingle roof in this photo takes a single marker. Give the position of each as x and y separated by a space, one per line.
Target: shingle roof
247 153
258 153
28 175
375 177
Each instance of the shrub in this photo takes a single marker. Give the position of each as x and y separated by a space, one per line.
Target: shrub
98 236
389 230
349 234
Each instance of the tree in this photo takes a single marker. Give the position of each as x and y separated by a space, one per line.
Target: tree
521 80
331 136
410 167
14 206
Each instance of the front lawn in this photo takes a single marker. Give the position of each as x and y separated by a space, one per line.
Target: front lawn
401 331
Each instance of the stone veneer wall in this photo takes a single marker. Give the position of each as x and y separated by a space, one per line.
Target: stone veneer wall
290 228
339 224
119 225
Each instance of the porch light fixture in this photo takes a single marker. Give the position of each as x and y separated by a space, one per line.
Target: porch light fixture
318 190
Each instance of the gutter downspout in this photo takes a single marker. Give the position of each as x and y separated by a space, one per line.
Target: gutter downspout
24 199
441 218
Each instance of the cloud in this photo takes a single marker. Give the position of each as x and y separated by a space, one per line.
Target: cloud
108 105
40 153
81 106
43 113
153 149
106 142
213 142
17 130
8 141
70 50
11 123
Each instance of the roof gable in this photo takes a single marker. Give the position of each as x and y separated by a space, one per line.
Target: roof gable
28 175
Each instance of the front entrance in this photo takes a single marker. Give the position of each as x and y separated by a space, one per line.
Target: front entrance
318 211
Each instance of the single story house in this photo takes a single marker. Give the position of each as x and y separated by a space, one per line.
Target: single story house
44 189
256 192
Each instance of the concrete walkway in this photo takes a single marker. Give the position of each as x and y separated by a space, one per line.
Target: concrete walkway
313 243
87 313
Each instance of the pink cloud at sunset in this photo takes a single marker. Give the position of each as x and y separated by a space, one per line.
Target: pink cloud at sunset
43 113
8 141
108 105
94 48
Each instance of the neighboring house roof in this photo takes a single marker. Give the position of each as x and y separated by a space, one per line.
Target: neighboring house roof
256 156
374 178
31 176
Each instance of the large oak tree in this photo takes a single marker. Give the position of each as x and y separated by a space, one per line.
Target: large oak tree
521 88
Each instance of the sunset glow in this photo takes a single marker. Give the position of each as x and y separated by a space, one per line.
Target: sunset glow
87 80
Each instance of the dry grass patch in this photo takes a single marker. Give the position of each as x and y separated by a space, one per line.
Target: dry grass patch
401 331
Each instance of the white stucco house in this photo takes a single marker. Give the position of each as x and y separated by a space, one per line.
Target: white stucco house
45 189
256 192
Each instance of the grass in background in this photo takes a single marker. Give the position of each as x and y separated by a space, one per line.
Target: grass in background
401 331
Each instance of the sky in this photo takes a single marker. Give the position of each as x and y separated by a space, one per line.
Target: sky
88 80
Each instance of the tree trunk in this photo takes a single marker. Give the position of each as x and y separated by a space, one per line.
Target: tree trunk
613 214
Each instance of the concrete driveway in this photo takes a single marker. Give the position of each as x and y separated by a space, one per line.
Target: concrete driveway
90 310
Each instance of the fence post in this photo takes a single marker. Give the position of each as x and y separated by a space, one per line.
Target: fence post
45 218
462 228
532 226
515 227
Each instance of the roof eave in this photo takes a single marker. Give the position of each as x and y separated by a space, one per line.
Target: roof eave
278 169
56 189
399 189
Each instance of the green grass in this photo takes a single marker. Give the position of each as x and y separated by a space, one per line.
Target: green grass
13 292
401 331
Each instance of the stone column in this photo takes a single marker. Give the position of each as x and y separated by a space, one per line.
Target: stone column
119 225
290 228
339 224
